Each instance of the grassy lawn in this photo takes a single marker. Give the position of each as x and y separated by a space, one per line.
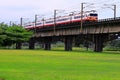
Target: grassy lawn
58 65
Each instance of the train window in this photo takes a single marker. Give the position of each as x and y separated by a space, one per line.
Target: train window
76 17
29 25
49 22
38 23
93 14
62 19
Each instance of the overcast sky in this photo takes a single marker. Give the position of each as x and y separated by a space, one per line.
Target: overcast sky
13 10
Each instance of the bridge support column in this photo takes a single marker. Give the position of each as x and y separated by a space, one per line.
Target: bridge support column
32 43
47 43
98 40
47 46
18 45
68 43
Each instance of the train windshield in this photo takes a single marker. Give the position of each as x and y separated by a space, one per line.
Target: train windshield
93 14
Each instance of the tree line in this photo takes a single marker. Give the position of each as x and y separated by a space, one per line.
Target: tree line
15 34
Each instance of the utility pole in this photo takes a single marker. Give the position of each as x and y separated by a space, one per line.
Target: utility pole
35 23
81 25
71 14
43 21
114 10
21 21
55 12
10 23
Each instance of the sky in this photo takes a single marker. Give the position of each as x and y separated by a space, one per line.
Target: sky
13 10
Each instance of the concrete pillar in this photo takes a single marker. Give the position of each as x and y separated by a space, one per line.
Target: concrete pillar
47 46
68 43
18 45
98 40
32 43
47 43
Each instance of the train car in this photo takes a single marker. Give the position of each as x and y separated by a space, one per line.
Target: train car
92 17
85 17
39 24
49 22
63 20
29 25
77 17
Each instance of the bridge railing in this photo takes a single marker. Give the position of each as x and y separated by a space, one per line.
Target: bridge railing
109 19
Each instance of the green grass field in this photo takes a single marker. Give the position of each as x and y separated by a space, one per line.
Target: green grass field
59 65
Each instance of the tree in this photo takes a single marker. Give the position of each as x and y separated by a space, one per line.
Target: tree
3 36
113 45
17 34
14 34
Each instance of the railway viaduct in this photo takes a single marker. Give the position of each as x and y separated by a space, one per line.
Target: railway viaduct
97 32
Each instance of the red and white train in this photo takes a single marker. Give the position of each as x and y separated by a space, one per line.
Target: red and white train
92 16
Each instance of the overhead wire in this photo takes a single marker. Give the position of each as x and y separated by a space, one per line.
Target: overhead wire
98 6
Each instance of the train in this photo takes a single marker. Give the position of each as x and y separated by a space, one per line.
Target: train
92 16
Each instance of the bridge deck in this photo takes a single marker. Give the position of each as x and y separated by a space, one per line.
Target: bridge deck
110 25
